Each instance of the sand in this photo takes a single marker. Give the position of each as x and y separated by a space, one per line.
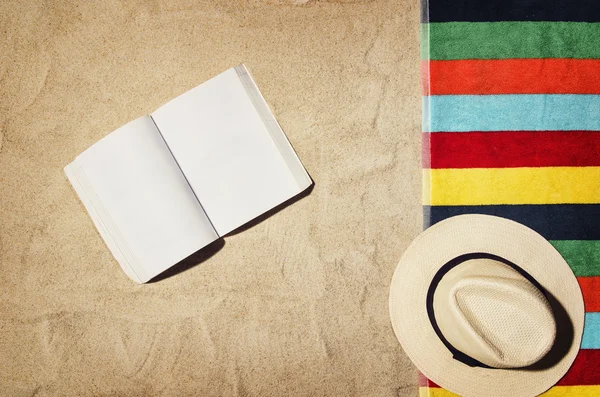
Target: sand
295 304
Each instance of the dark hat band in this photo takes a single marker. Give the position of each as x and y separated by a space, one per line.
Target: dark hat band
457 354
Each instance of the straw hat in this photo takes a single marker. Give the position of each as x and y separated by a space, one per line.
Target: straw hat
485 306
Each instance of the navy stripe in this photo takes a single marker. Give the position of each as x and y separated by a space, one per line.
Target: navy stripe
425 11
511 10
554 222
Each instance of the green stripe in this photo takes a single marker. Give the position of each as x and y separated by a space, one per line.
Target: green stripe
424 40
582 255
500 40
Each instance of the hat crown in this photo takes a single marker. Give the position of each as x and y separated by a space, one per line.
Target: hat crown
492 313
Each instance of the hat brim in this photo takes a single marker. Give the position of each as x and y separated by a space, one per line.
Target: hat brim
512 241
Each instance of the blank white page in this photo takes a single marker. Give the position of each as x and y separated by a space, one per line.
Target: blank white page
139 200
231 149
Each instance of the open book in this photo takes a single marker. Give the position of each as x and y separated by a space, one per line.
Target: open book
163 186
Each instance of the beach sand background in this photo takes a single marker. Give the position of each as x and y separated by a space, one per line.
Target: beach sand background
295 305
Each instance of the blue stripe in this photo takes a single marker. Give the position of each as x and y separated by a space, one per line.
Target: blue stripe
553 221
511 113
591 331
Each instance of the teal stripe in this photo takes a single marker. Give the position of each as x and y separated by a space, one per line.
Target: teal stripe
591 332
511 112
502 40
583 256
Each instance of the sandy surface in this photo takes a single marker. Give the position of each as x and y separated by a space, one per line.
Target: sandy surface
294 305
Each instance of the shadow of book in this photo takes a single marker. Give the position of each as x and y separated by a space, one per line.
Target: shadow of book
211 249
271 212
195 259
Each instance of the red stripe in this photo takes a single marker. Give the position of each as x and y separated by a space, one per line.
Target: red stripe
429 383
423 381
426 150
590 287
513 76
584 371
511 149
425 78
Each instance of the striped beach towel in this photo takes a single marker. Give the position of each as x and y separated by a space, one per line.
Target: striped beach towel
511 127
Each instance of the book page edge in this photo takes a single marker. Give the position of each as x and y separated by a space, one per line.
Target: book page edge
277 134
100 226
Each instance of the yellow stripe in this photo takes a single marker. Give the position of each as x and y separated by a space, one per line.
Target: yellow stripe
572 391
478 186
557 391
435 392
